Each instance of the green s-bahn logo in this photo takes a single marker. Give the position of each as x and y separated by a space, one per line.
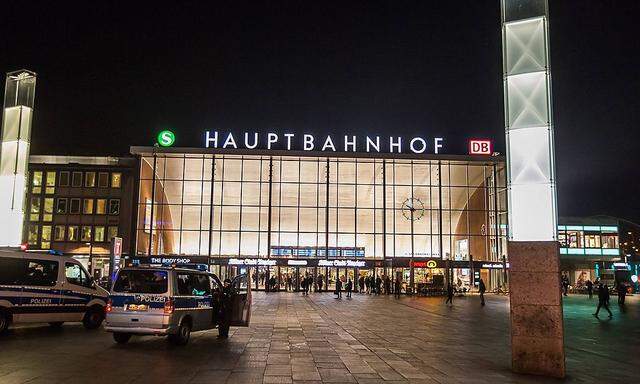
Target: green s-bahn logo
166 138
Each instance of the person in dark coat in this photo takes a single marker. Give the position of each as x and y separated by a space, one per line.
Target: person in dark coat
361 283
397 288
367 284
449 294
378 285
565 285
338 289
482 289
589 288
603 299
225 309
387 285
349 288
303 286
622 293
320 282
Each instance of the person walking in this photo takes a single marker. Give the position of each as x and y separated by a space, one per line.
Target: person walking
367 284
303 286
482 289
565 285
320 282
387 285
378 285
449 294
397 288
349 288
603 299
622 293
589 285
361 284
338 289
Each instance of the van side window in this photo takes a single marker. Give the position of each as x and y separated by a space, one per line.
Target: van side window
11 271
76 275
193 284
42 273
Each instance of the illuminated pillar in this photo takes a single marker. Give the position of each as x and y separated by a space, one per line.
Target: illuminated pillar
14 153
536 306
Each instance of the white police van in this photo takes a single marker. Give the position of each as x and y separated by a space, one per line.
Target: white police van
173 302
47 288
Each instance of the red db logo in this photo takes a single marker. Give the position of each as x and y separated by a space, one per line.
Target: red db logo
480 147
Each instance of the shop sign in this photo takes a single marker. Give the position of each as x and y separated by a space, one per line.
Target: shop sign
492 265
621 266
341 263
261 262
424 264
166 138
346 143
175 260
296 262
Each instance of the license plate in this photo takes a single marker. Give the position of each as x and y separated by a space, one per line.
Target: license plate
137 307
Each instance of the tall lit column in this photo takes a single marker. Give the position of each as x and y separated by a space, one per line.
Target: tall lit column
536 306
14 153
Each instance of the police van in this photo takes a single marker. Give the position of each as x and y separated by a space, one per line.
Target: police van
47 288
173 302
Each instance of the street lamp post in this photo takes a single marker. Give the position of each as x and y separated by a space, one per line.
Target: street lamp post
90 244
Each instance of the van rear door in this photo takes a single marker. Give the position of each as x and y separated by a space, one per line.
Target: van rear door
241 301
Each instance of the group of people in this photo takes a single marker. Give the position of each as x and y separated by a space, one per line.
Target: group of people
376 285
602 291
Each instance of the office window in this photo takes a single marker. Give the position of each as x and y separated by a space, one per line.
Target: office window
73 233
103 180
116 179
114 206
85 235
59 232
98 234
87 206
112 232
74 206
32 237
48 209
76 179
101 206
64 179
90 179
50 183
34 210
61 205
36 182
45 238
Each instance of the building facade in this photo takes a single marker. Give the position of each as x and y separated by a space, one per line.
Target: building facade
289 214
76 205
599 248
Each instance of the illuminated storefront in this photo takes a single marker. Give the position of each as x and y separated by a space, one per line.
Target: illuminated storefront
296 213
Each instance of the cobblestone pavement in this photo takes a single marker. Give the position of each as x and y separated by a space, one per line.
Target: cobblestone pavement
366 339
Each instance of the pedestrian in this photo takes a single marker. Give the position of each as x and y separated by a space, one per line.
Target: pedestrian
320 282
378 285
449 294
303 286
622 293
288 283
565 285
367 284
589 289
349 288
603 299
397 288
338 289
387 285
361 284
481 288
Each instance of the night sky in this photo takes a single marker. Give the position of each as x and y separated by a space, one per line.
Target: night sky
113 75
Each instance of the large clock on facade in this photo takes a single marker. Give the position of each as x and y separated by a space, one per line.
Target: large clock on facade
413 209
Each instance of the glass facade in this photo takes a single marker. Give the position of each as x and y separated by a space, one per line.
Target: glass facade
259 206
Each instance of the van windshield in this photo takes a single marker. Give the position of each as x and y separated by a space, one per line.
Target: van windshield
137 281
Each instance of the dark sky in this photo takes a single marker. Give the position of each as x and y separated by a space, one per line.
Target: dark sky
113 74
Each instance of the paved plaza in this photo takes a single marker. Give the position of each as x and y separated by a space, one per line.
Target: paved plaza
314 339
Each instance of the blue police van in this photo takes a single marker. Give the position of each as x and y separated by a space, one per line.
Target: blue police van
47 288
173 302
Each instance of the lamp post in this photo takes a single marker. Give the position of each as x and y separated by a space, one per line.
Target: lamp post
90 244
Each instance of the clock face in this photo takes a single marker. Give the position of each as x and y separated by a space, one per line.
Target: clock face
413 209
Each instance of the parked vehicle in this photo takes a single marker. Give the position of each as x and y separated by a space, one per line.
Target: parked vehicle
174 302
37 288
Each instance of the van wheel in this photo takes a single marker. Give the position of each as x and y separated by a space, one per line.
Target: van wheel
56 324
121 338
93 318
181 337
4 321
